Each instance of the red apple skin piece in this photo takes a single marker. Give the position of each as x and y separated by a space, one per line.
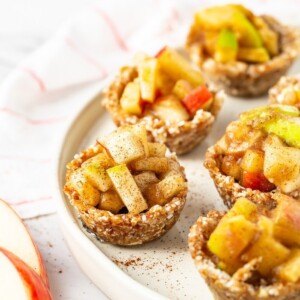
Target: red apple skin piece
35 285
256 181
29 254
160 51
197 99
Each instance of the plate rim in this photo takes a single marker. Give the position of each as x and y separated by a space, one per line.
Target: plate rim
74 234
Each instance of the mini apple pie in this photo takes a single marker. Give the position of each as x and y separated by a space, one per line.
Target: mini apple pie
248 253
240 52
125 189
286 91
166 94
258 155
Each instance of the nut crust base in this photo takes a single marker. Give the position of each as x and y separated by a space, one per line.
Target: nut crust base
123 229
179 137
222 285
240 78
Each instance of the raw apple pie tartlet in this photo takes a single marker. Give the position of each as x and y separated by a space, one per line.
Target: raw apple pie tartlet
240 52
258 155
168 95
125 189
249 254
286 91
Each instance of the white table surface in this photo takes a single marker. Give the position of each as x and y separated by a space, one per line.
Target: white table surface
24 26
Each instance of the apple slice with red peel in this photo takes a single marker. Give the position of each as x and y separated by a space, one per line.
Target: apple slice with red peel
15 238
18 281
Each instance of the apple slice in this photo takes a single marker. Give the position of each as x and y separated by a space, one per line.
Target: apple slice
147 73
127 189
18 281
15 237
130 100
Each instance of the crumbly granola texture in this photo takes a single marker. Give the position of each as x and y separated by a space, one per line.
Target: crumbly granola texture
242 79
123 229
277 92
239 286
230 190
179 137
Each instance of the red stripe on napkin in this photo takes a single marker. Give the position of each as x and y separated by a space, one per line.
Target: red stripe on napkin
17 115
27 201
36 78
110 23
71 43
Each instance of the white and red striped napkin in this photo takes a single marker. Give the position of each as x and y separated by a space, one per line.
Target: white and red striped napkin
40 97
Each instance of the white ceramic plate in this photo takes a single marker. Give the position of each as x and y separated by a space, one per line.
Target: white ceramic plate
160 269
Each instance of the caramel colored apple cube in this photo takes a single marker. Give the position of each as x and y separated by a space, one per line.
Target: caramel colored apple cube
286 217
130 99
111 201
271 252
231 237
154 164
290 270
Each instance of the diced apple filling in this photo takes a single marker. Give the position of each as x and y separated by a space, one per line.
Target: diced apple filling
244 234
129 173
270 160
232 33
167 86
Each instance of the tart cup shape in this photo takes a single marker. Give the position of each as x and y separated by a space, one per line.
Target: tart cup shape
180 137
124 229
229 189
222 285
286 91
257 156
243 79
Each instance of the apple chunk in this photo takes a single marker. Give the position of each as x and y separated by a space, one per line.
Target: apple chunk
123 146
286 217
177 67
15 237
18 281
231 237
147 73
127 189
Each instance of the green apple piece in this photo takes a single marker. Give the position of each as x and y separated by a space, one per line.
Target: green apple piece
287 129
286 217
226 47
263 113
127 189
231 237
247 33
253 55
123 146
130 99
